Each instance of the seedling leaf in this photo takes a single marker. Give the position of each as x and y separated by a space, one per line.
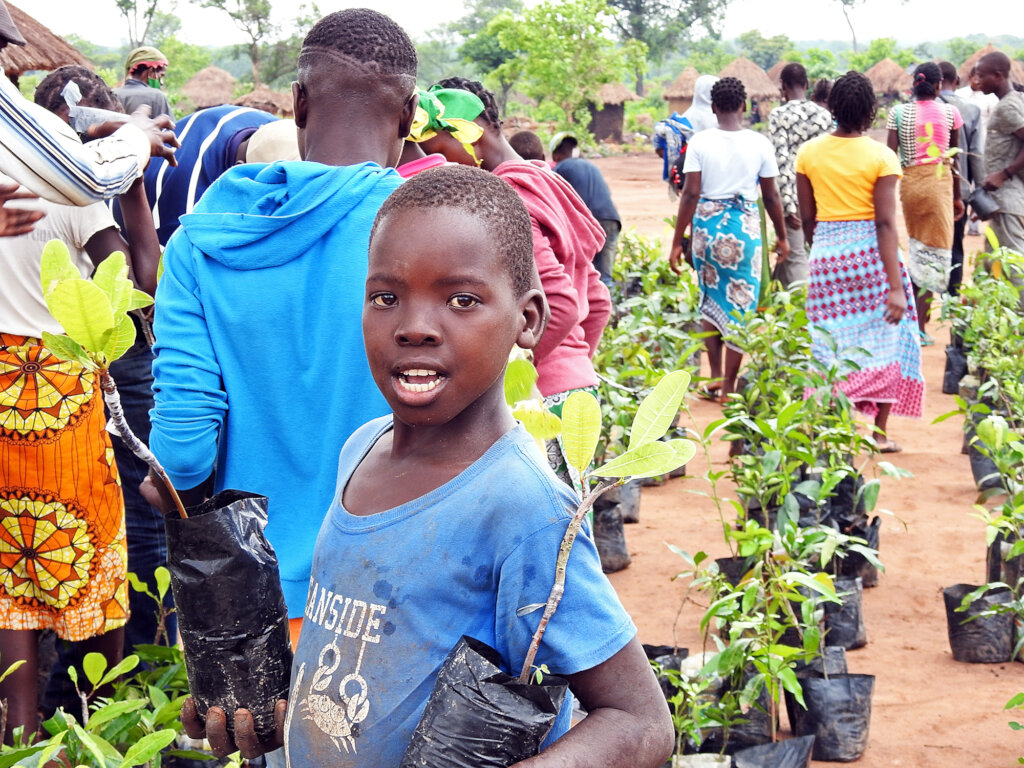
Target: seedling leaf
84 312
526 610
111 277
94 665
121 338
67 348
55 266
648 460
540 423
581 429
659 409
520 376
139 299
145 748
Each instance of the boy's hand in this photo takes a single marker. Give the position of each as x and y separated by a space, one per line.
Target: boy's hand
15 221
215 730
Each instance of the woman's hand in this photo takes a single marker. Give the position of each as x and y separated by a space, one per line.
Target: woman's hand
676 255
781 249
895 306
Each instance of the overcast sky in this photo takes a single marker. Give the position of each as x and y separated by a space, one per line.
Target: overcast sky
910 22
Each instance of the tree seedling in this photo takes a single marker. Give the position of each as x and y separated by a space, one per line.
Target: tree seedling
94 315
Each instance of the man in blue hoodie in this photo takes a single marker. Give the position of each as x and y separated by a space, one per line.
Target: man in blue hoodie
260 373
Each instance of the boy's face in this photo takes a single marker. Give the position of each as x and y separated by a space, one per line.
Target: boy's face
986 78
440 316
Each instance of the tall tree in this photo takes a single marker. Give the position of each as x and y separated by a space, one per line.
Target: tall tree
847 6
960 49
763 51
566 56
499 66
480 12
139 15
662 24
253 18
881 48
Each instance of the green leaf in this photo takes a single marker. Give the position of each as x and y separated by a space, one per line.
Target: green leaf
684 449
83 311
581 429
542 424
526 610
111 277
67 348
121 339
648 460
145 748
162 576
993 241
520 376
89 742
125 665
658 411
55 265
993 431
139 299
113 710
94 665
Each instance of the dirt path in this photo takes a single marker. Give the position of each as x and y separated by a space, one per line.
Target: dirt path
928 710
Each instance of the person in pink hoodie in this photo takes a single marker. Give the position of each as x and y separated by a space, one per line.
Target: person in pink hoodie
565 238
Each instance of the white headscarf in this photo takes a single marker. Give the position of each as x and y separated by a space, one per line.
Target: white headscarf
699 114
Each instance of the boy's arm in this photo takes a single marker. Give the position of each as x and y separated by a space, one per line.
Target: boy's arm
562 297
628 723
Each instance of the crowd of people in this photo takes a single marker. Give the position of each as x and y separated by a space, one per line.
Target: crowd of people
339 297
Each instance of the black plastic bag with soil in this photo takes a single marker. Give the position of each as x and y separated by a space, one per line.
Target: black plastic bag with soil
844 621
838 715
978 639
667 657
956 369
626 497
231 611
610 539
792 753
831 661
478 716
855 564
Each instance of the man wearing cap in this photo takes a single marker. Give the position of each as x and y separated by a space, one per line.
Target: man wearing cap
144 73
41 152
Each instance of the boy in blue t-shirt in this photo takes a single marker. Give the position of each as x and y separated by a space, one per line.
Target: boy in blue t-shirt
446 518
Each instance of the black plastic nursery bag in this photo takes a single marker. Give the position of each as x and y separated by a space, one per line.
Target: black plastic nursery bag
838 715
978 639
792 753
481 717
231 611
956 369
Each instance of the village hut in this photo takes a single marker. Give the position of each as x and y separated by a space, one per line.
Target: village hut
608 116
679 93
775 73
43 50
1016 67
210 87
262 97
755 80
888 78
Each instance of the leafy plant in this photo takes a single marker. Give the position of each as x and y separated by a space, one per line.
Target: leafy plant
94 315
646 456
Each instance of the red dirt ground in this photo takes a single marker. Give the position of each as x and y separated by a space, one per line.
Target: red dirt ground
928 710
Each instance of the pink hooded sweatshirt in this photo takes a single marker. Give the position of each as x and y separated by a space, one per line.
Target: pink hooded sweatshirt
566 237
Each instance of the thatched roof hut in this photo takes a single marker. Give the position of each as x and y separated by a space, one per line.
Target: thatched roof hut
44 50
679 94
775 73
608 115
889 78
269 101
1016 68
210 87
755 80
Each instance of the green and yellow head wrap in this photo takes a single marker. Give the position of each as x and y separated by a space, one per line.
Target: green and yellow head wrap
448 109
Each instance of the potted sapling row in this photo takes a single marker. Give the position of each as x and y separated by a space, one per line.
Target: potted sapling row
482 715
224 574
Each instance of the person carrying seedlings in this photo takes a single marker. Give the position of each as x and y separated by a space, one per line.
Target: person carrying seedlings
858 290
63 557
260 369
447 519
566 236
724 168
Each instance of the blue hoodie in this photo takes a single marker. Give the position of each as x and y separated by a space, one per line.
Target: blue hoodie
260 367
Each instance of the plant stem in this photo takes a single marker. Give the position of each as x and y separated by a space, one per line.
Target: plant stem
136 446
558 588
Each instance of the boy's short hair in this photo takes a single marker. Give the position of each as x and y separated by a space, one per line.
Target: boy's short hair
360 38
527 145
95 92
481 195
794 75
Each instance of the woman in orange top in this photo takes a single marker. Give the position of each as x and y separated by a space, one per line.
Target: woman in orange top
858 291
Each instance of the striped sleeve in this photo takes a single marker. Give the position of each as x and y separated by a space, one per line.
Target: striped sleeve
41 152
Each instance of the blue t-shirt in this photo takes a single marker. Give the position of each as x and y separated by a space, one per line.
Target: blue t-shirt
391 593
586 179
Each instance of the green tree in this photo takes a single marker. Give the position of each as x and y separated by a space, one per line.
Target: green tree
184 61
279 60
960 50
499 66
479 14
878 49
818 62
566 56
763 51
253 18
139 16
847 6
707 56
662 24
438 56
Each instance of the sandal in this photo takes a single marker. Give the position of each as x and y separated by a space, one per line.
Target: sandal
705 392
890 446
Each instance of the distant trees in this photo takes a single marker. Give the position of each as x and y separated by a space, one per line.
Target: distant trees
253 18
139 15
881 48
763 51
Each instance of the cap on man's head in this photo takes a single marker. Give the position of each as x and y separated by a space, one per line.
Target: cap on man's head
562 137
274 141
147 56
8 30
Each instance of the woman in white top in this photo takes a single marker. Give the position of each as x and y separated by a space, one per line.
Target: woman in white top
724 168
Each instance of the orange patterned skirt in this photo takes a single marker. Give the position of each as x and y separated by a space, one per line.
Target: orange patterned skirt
63 562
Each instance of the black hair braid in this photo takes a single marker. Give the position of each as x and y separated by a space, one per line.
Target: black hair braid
728 94
490 113
95 92
479 195
852 102
927 80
